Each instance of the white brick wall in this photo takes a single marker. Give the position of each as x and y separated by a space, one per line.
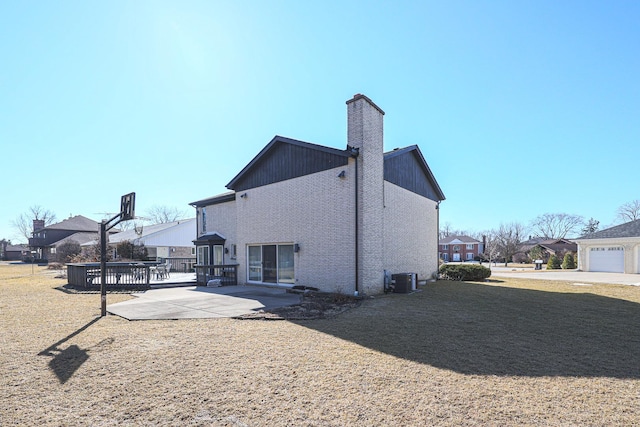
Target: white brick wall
365 131
410 230
314 211
222 219
397 229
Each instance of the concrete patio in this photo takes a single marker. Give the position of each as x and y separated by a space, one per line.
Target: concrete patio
191 302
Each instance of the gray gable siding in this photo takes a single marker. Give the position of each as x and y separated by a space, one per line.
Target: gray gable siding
406 168
285 159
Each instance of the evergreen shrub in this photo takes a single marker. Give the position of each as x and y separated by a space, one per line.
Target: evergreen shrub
568 263
553 263
472 272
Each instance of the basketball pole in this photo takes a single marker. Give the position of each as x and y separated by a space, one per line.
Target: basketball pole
127 209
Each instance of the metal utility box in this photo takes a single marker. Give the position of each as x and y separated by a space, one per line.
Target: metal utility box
403 282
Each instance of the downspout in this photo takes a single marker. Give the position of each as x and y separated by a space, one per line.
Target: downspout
437 273
355 152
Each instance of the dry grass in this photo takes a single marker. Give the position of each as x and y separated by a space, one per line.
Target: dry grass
513 352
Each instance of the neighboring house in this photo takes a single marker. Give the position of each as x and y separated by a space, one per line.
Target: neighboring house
14 252
459 248
615 249
45 240
548 247
340 220
167 240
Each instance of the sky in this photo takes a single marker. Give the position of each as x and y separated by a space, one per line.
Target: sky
520 108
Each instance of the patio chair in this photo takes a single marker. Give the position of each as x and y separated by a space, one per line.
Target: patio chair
167 268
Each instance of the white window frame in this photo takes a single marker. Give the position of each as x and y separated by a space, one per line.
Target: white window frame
218 255
470 246
203 255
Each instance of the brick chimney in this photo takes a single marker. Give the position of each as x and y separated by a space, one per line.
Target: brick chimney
365 132
38 224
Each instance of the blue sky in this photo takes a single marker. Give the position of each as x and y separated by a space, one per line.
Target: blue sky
519 107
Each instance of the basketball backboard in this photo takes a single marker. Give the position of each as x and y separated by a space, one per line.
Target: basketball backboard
128 207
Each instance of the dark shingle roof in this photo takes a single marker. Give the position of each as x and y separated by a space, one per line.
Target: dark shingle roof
76 223
81 238
628 229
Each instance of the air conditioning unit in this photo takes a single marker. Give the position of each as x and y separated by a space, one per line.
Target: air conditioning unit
404 282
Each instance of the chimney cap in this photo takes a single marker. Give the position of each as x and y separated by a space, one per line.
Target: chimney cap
358 96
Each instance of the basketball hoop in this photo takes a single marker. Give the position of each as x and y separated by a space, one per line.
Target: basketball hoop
138 228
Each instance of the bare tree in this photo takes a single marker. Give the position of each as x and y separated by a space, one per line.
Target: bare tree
447 230
507 239
491 250
629 211
23 224
590 226
163 214
556 226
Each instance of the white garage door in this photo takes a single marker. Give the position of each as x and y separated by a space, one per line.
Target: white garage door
610 259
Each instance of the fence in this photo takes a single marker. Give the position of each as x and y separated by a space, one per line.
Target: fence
226 274
118 275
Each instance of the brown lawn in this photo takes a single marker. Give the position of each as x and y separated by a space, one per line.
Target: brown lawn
508 352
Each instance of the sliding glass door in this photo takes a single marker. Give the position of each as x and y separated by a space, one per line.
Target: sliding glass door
285 264
271 263
254 261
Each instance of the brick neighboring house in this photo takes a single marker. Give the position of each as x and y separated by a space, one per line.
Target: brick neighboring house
548 247
78 228
459 248
340 220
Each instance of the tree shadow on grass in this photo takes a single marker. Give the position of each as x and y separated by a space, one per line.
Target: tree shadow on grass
479 329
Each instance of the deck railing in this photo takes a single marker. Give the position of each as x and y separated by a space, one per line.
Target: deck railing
118 275
226 274
180 264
